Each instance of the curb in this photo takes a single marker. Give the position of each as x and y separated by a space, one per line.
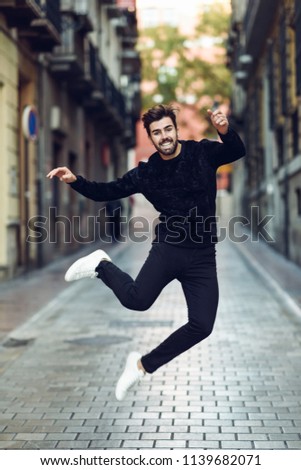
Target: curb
285 298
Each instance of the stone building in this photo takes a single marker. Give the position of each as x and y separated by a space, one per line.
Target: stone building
265 57
69 96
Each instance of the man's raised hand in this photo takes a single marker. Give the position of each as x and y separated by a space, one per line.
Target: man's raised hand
219 121
63 173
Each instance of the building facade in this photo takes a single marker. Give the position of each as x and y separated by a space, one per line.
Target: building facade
69 96
265 56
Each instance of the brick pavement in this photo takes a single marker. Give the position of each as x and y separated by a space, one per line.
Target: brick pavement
239 389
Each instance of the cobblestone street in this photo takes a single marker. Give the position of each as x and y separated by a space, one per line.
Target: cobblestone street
239 389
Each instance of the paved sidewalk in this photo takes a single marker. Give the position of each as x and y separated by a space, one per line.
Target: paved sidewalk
239 389
21 297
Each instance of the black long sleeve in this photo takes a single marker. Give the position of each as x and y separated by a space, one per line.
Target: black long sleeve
231 149
118 189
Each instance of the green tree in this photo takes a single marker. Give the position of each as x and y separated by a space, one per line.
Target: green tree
162 51
173 64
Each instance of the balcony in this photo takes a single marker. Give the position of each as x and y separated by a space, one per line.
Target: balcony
48 27
68 60
20 12
76 14
126 28
105 101
131 63
36 20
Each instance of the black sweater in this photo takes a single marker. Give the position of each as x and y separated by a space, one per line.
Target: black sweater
182 189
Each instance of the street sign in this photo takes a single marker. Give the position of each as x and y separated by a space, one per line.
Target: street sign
30 123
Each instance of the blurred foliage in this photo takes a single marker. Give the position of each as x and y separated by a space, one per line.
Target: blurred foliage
174 66
161 44
215 22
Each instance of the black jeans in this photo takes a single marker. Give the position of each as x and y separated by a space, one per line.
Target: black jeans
196 271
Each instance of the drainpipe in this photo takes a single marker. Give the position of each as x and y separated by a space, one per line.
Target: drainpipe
41 157
286 209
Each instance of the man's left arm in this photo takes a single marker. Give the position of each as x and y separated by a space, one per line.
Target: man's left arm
232 147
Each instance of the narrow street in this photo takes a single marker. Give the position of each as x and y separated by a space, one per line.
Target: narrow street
239 389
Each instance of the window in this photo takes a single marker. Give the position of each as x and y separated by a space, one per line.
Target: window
298 43
298 194
280 145
295 132
271 85
283 66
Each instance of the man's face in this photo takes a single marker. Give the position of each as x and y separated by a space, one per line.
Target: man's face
164 136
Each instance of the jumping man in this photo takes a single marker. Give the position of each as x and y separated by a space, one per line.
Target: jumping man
179 179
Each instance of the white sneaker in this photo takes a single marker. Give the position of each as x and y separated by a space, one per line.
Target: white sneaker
85 267
130 376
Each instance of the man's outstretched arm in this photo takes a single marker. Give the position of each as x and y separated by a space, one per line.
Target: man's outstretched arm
118 189
232 147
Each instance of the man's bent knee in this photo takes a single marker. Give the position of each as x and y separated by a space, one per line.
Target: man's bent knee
136 304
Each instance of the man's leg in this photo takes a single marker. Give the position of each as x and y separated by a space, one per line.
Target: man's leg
199 283
154 275
157 271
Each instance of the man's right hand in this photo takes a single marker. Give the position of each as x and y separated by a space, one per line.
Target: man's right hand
63 173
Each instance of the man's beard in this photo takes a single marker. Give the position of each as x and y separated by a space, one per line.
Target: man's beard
170 150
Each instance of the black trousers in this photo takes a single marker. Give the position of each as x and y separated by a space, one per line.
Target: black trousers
195 268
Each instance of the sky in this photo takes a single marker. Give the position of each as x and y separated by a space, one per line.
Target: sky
182 13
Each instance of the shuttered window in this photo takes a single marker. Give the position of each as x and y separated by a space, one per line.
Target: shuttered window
271 85
298 194
298 43
283 67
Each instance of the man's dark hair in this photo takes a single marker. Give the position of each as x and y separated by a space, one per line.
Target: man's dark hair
158 112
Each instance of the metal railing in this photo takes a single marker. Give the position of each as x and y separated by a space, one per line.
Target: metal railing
51 10
104 83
